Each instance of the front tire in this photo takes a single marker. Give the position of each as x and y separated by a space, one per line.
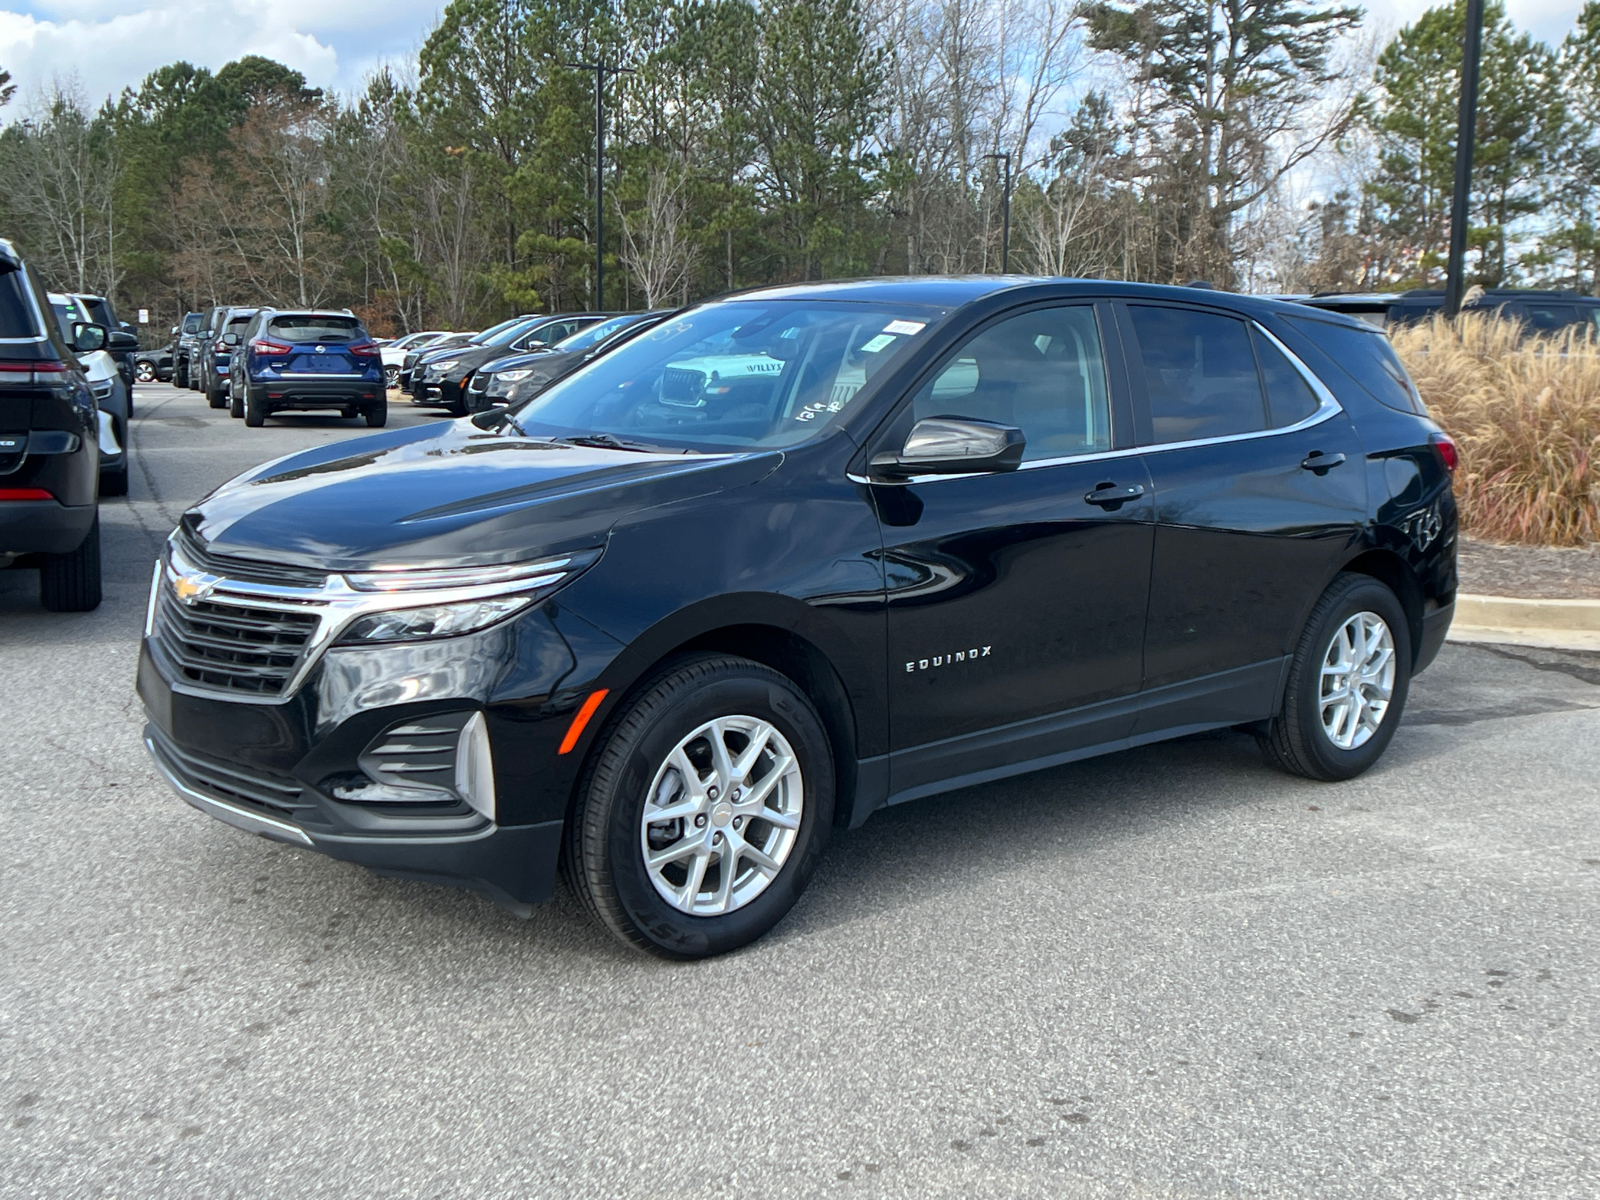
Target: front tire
704 810
145 372
70 582
1347 686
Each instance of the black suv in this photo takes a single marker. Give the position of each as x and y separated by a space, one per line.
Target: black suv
795 555
49 444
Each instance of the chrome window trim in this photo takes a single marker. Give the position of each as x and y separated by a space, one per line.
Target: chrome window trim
1328 407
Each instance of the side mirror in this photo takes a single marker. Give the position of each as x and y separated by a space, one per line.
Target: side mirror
121 340
88 338
954 446
230 339
174 331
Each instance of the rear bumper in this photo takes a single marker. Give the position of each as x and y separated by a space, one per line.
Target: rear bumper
513 865
43 526
318 393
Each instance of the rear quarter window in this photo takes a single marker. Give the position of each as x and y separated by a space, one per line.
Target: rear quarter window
317 329
1369 359
16 316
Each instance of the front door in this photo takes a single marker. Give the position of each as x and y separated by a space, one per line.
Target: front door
1260 493
1016 598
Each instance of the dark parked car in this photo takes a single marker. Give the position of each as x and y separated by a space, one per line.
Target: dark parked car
151 365
113 396
307 359
441 376
49 451
523 376
187 357
218 354
793 556
1539 312
122 342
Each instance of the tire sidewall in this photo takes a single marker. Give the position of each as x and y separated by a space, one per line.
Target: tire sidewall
677 933
1364 596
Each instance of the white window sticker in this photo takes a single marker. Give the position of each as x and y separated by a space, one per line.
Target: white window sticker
905 327
878 343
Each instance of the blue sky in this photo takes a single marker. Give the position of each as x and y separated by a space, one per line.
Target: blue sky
111 44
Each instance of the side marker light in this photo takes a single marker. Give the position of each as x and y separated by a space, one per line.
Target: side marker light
581 721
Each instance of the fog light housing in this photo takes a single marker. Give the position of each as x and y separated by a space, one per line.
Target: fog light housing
444 758
475 767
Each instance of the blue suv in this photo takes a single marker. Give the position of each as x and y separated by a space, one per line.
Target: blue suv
307 359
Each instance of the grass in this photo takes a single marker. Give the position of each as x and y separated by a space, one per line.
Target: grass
1525 416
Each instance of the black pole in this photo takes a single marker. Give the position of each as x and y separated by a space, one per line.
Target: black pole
600 72
1466 129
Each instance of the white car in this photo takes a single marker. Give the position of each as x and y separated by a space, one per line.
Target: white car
110 396
394 353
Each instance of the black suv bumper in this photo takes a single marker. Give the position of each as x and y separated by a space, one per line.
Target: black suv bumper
43 526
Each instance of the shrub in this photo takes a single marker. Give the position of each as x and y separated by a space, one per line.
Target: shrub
1525 416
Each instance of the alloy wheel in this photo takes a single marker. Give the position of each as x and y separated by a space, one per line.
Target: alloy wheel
1358 671
722 815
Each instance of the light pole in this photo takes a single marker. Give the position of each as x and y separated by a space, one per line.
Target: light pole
1466 129
601 69
1005 206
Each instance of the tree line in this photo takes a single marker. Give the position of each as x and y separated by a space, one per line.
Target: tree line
757 141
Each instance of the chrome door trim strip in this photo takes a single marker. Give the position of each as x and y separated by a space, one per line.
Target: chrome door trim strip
1328 407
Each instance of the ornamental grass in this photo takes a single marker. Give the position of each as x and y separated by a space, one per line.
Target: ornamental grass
1525 416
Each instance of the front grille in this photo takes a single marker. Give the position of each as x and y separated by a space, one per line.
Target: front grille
247 570
682 387
276 795
230 646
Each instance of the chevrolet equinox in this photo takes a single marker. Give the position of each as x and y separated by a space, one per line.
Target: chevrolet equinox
795 555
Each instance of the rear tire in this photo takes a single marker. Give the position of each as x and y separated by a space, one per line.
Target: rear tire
1319 710
234 401
636 755
145 372
255 410
115 482
180 377
70 582
377 414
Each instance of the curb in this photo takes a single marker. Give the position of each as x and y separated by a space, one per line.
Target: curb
1512 621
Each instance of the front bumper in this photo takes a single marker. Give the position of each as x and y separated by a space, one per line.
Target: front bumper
511 865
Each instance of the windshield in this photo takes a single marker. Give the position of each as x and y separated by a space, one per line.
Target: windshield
67 314
735 375
495 335
592 335
191 323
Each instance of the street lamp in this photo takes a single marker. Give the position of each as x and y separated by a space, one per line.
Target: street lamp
1466 129
601 69
1005 221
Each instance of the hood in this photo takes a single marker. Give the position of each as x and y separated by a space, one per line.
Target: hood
449 494
547 368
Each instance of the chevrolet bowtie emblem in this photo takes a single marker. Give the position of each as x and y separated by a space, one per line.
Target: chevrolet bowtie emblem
192 587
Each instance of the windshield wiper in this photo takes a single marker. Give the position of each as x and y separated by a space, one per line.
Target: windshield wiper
607 442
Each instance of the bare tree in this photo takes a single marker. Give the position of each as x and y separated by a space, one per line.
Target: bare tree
656 246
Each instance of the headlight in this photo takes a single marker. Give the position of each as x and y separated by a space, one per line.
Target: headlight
443 366
512 376
408 604
434 621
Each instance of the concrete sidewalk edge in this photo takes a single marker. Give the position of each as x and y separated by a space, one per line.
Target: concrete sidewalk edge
1513 621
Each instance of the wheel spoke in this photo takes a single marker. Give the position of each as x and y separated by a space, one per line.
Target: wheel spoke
719 754
760 812
757 792
763 861
731 846
759 738
697 876
676 852
692 783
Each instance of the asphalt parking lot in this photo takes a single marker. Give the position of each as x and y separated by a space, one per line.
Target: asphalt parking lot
1167 973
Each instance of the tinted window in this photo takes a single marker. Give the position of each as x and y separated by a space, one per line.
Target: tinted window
1289 396
1199 373
1042 372
99 311
16 321
316 329
594 334
1368 359
192 322
1543 318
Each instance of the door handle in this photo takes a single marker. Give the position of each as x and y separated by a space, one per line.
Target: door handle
1111 497
1321 463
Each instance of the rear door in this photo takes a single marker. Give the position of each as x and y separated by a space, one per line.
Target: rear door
1260 493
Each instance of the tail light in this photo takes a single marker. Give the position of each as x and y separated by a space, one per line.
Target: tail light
1446 446
23 372
364 349
264 347
25 494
